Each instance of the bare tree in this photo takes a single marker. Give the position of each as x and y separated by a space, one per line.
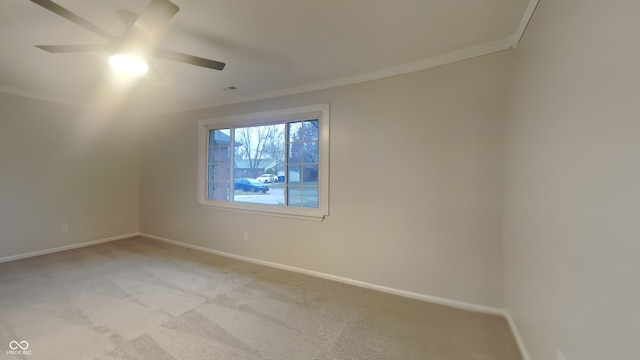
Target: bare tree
304 148
257 144
275 149
304 142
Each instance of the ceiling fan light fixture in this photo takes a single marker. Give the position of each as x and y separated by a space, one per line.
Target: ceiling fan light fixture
128 64
139 39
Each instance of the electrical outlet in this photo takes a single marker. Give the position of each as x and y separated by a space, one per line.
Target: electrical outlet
245 236
64 227
560 356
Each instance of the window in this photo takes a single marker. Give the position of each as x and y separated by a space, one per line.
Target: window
274 163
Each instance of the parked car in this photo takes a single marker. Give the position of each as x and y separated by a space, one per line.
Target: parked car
267 178
250 185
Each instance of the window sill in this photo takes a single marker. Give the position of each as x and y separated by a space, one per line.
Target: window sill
312 215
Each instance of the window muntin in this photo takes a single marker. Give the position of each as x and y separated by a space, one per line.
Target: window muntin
290 143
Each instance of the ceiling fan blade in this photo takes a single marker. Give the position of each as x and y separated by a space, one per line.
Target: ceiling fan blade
59 10
154 18
127 17
188 59
74 48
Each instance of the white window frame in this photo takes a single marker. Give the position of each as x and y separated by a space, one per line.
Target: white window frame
320 112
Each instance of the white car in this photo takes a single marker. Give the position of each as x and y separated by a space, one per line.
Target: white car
267 178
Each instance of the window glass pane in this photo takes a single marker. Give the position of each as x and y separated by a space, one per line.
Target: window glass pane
293 174
218 164
295 131
310 130
310 195
303 196
295 153
310 152
219 137
218 191
210 188
294 196
310 174
218 155
217 187
252 191
258 150
210 154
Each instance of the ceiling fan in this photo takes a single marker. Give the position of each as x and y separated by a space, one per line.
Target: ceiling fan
137 43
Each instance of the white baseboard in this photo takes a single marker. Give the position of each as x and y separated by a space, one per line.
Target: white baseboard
66 247
413 295
517 336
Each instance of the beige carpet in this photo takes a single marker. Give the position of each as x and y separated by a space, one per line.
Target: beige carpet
143 299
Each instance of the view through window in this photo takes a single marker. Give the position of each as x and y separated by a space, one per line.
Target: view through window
274 164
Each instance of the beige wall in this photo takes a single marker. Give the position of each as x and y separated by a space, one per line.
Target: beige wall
416 184
60 164
572 206
418 197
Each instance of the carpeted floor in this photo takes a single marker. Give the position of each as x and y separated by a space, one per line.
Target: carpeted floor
143 299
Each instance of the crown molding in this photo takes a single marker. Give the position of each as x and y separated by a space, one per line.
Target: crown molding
424 64
526 18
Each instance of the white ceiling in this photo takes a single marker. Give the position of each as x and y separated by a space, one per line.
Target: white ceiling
271 47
